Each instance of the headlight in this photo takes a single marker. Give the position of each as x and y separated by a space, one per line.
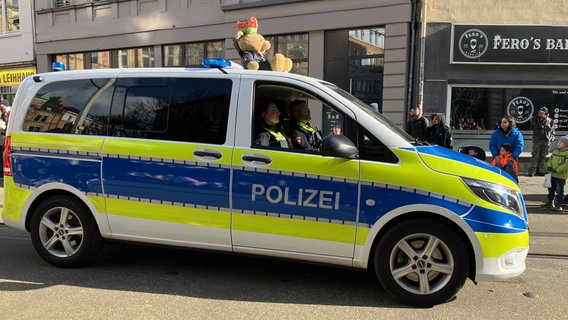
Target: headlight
497 194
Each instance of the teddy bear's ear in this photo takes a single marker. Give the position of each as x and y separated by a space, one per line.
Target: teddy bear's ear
239 35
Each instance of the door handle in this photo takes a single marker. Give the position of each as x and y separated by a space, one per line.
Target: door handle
207 154
256 159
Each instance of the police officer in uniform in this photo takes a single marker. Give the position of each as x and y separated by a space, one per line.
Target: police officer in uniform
301 133
269 132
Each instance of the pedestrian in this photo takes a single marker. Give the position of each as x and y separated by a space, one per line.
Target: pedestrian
4 114
543 134
417 124
506 162
507 132
439 133
557 166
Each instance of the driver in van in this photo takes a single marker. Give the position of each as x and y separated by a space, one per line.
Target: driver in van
270 132
302 134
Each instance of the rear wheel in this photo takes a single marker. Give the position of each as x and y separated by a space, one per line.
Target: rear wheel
64 233
421 262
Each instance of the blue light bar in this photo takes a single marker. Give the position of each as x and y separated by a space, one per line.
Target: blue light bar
216 63
58 66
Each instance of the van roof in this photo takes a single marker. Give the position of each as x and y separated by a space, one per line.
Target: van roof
163 71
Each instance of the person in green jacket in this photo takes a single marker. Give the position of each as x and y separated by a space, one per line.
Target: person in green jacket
557 166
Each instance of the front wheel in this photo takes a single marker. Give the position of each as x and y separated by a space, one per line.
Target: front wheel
64 233
421 262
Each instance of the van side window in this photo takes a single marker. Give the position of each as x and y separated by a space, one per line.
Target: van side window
74 107
311 119
177 109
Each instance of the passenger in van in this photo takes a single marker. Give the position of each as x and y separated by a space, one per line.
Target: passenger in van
302 134
269 131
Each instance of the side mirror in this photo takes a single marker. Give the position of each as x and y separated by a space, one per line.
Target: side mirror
338 146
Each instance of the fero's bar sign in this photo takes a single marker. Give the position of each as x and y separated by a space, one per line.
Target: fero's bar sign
509 44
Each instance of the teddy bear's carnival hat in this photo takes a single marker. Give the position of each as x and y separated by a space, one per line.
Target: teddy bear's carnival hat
248 27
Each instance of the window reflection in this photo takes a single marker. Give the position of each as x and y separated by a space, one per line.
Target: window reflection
11 15
193 110
366 64
293 46
136 58
58 108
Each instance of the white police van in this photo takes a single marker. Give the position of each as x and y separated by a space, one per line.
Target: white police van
168 157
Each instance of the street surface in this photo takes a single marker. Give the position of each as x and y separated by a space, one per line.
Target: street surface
141 282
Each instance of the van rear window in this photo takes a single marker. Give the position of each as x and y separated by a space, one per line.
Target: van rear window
177 109
74 106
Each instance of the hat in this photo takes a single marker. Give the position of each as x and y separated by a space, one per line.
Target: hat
564 139
248 27
5 102
543 109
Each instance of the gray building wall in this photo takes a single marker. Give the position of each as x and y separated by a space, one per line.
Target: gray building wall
103 25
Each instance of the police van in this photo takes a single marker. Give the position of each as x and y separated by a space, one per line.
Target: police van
167 156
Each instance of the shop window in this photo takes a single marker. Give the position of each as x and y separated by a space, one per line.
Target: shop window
293 46
192 54
475 108
10 17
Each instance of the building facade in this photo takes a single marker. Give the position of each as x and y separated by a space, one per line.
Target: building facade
363 46
472 62
17 59
486 59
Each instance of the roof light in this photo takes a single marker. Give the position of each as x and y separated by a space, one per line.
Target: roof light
58 66
216 63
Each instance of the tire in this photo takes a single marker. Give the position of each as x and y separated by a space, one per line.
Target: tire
64 233
421 262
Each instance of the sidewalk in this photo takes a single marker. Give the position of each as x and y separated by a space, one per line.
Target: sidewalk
535 194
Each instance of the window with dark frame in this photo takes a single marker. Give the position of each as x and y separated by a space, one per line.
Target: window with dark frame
192 54
175 109
293 46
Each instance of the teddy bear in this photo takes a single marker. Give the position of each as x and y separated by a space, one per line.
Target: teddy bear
251 47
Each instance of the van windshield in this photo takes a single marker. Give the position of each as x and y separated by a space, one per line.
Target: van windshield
368 109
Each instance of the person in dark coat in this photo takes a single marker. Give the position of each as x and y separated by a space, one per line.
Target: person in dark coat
439 133
302 135
417 124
